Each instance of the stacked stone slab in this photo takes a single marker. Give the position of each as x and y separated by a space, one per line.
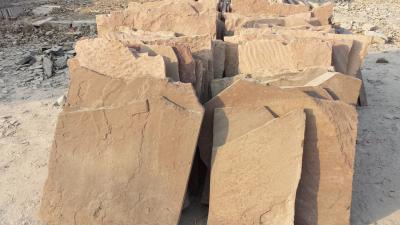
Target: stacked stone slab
116 157
283 57
277 128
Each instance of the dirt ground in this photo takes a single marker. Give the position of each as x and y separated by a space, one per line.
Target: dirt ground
28 114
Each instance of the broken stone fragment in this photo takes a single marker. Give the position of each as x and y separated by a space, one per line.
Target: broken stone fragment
262 194
47 66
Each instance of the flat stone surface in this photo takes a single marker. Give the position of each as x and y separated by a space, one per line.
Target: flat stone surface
261 7
255 176
268 57
231 123
113 59
177 16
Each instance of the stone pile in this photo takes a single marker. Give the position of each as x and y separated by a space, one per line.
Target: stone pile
266 94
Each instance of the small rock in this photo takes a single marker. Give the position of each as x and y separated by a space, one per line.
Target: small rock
369 27
378 38
50 32
27 59
47 67
61 101
61 62
382 60
56 51
39 23
44 10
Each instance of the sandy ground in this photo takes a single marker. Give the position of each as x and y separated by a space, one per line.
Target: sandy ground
376 186
28 116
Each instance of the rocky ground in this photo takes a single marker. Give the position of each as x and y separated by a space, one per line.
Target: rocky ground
34 77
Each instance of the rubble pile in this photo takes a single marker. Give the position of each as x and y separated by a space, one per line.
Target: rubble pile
264 92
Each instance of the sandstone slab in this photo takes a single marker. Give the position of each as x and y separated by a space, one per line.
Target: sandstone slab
255 176
233 122
115 158
114 59
180 16
261 7
270 57
329 147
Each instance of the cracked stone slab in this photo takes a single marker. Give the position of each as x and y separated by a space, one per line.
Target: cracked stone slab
255 176
118 156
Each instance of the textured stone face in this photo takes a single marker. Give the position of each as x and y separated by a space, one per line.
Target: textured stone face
114 59
255 176
323 13
180 16
329 146
235 22
115 157
231 123
169 56
261 7
269 57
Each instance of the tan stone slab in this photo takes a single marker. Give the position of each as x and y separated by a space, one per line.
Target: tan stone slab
233 122
187 48
169 56
115 158
269 57
261 7
180 16
113 59
255 176
340 86
235 22
323 13
341 45
329 148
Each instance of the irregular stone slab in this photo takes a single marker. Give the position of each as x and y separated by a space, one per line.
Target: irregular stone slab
268 167
261 7
329 146
114 159
188 49
323 13
112 58
177 16
296 80
235 22
169 56
339 86
341 45
266 57
187 65
344 60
